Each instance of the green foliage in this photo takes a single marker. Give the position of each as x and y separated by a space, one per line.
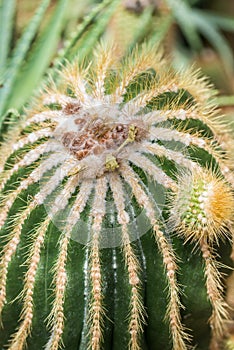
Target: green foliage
7 12
194 22
25 76
24 67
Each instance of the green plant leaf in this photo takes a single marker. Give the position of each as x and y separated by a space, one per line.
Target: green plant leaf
161 28
224 22
81 29
87 41
7 12
39 59
183 15
218 41
144 25
20 52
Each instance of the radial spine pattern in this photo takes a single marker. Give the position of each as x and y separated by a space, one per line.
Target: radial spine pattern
89 138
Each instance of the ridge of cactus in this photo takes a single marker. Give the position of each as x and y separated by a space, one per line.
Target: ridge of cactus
84 168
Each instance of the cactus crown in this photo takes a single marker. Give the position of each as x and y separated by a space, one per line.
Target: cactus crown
99 132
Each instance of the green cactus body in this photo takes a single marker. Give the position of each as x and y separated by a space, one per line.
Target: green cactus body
103 182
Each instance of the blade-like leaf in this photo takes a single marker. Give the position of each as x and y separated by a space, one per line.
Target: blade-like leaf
217 40
39 59
20 53
144 24
90 38
183 15
82 27
7 12
161 29
224 22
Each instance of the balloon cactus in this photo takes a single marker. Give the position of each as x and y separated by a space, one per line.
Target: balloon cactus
115 166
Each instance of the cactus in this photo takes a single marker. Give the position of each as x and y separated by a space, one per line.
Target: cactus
92 256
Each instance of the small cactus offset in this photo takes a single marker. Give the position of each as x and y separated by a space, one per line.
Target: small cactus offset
112 178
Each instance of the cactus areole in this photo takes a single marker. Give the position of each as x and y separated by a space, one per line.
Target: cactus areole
115 196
